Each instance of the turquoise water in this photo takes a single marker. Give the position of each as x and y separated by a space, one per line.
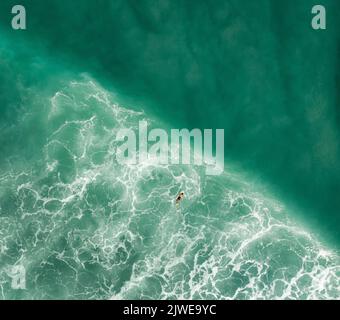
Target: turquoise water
84 227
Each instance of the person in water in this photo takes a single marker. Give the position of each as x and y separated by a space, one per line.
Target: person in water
179 198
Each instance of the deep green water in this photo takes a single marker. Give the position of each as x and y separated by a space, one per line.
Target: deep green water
85 227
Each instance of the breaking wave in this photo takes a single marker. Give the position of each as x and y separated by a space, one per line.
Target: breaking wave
85 227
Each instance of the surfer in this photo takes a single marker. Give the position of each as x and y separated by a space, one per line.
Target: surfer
179 198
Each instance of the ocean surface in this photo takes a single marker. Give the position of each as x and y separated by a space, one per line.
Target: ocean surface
84 227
